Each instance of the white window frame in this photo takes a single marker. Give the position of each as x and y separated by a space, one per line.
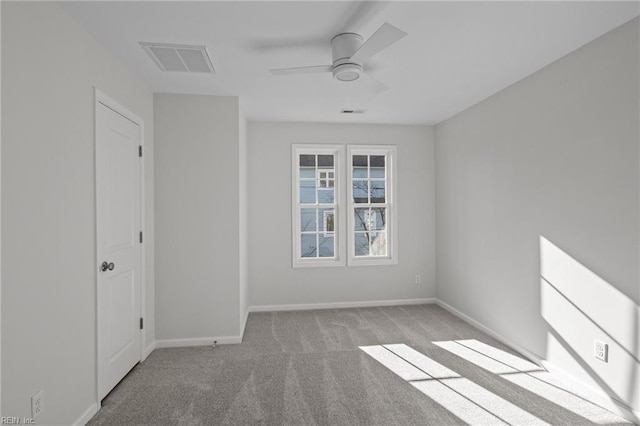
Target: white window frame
390 152
339 216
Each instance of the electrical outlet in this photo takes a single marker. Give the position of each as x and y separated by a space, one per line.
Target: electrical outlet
601 351
418 279
37 405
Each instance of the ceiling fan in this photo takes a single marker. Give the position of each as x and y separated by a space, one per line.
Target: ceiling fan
350 52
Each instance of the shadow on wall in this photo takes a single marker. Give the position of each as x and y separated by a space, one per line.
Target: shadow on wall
580 307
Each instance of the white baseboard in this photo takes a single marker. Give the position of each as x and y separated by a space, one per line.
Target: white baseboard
595 395
535 358
148 350
87 415
198 341
339 305
226 340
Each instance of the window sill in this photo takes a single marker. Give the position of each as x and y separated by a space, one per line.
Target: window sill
384 261
317 263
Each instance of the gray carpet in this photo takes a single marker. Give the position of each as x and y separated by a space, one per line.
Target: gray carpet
307 368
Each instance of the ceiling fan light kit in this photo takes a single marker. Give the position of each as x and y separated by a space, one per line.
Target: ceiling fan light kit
343 46
347 72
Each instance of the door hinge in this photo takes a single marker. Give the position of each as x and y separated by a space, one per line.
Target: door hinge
139 150
141 323
140 236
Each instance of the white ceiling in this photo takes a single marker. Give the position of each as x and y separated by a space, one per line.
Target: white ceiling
456 53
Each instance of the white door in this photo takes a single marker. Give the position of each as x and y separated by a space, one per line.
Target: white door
118 248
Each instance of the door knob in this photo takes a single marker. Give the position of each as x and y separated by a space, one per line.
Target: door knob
110 266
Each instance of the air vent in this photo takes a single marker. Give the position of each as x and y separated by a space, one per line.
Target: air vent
353 111
179 58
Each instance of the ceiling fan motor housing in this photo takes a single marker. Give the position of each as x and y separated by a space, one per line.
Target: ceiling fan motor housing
343 46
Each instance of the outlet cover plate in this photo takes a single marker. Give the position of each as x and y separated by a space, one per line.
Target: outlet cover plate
37 405
601 351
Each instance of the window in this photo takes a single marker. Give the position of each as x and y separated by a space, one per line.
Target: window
367 209
316 199
371 205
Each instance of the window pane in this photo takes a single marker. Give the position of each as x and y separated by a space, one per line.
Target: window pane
377 191
360 173
360 190
308 160
326 195
326 244
377 167
308 172
379 243
327 220
377 161
378 219
308 245
360 161
361 244
308 220
307 191
330 223
360 218
325 160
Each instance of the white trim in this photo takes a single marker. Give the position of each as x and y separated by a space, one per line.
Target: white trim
87 415
198 341
391 181
339 305
101 98
527 353
148 350
598 396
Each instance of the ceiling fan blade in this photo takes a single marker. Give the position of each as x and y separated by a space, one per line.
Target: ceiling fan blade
384 37
360 14
378 86
302 70
284 44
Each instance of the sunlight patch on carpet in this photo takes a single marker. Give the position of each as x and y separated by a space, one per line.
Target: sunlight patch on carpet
465 399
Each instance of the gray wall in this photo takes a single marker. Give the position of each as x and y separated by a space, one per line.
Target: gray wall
49 68
197 205
272 279
552 159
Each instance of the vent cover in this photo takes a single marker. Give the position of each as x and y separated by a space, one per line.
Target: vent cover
179 58
353 111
